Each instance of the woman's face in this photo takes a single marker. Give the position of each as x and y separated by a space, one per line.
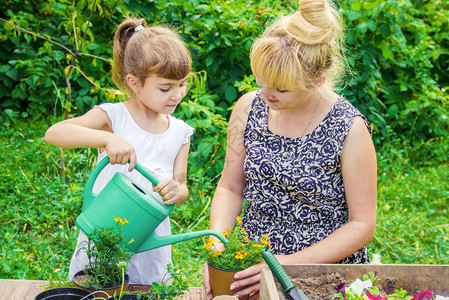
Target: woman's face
282 99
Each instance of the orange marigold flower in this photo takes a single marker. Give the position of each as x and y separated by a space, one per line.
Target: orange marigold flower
239 220
208 245
265 242
241 254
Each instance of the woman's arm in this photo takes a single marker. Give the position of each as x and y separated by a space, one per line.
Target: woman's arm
92 130
228 198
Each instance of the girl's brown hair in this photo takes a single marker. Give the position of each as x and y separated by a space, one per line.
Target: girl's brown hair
297 49
148 50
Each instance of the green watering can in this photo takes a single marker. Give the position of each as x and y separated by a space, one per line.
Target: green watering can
123 198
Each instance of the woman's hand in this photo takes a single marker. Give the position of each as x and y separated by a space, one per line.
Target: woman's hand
206 283
172 191
249 279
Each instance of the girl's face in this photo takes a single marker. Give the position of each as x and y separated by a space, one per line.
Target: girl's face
281 99
160 95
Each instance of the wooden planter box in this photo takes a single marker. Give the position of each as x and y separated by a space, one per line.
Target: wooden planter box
412 278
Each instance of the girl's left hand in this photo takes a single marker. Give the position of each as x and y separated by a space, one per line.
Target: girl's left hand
172 191
250 279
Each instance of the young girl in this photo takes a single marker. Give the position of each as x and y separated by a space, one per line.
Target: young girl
151 64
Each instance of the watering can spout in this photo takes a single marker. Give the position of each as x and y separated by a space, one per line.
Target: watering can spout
155 241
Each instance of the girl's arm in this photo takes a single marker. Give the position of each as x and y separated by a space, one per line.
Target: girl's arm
174 190
92 130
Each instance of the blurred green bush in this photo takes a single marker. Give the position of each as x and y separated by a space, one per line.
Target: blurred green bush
398 52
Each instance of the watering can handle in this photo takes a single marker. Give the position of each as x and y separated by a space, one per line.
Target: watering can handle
89 194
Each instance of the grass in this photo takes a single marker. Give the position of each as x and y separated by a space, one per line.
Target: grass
413 218
38 208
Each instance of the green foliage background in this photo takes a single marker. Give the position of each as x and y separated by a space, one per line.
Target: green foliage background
398 54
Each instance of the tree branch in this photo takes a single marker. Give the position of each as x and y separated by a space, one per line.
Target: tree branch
55 43
87 78
69 96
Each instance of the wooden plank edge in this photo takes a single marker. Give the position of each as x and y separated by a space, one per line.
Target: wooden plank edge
268 289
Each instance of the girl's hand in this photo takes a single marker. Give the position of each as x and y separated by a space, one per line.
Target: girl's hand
172 191
120 152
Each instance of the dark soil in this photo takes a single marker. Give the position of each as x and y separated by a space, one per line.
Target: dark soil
81 279
317 288
84 281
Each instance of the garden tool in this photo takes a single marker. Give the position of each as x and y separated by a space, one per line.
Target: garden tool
281 275
137 210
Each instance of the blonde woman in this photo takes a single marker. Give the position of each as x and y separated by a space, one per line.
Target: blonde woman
298 153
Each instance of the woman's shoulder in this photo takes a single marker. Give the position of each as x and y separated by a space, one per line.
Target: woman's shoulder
243 105
345 105
352 116
247 99
240 112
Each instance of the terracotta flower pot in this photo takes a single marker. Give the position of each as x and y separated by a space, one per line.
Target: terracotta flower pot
220 281
64 293
104 292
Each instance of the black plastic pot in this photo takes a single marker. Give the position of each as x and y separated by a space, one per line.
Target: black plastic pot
129 297
65 293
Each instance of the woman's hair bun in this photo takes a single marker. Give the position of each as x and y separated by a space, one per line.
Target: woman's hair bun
318 18
314 11
297 49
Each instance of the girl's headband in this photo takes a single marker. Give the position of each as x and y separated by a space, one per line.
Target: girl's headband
139 27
